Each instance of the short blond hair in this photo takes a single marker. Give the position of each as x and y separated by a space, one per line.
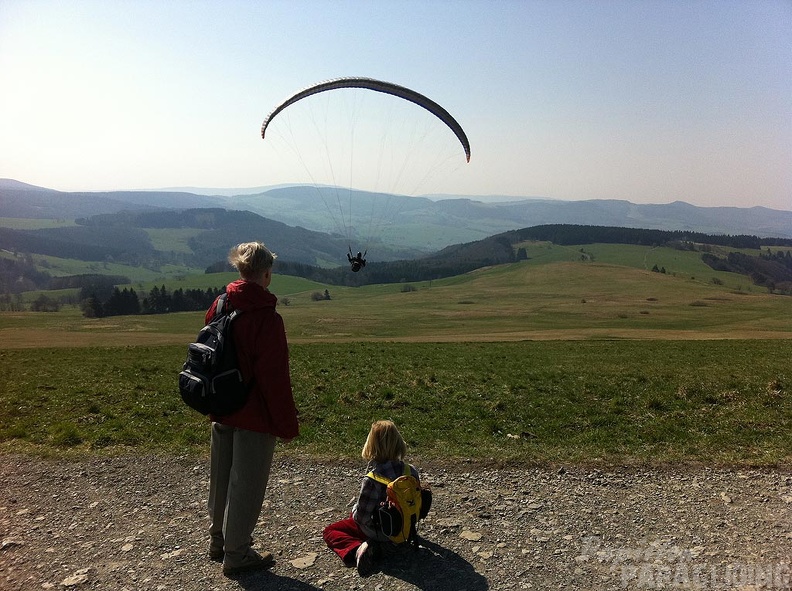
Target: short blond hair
384 443
251 259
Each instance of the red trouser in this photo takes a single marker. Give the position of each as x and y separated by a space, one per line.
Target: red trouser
344 538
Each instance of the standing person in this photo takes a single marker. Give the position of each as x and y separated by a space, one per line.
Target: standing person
243 442
356 539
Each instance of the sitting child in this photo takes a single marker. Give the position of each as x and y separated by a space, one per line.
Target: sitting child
355 539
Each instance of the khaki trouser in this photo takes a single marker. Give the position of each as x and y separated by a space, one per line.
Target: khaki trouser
240 467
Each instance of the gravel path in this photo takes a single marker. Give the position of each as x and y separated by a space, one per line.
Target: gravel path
139 523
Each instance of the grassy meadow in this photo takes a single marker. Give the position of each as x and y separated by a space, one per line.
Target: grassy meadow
550 360
721 402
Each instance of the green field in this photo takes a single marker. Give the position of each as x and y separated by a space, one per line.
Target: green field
527 300
717 402
60 267
537 361
685 264
172 239
34 223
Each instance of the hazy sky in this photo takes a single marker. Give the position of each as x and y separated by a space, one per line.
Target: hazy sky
649 101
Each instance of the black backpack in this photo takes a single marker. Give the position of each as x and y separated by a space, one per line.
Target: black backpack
210 380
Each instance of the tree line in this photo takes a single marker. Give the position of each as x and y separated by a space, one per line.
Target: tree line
566 234
126 301
780 256
773 271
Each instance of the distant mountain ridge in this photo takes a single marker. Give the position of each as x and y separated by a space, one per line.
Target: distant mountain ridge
419 223
154 229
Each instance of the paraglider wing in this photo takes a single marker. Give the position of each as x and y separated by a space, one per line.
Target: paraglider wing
378 86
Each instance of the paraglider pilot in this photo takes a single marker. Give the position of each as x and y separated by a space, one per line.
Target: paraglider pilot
358 261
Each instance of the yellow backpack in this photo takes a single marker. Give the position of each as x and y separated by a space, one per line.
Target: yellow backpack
407 503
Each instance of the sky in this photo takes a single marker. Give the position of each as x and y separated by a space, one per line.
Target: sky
650 101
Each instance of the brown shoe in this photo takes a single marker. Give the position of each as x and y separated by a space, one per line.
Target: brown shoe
252 561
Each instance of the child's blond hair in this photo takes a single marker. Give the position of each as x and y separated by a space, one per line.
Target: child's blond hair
251 259
384 443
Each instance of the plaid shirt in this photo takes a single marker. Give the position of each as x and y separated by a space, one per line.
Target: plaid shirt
372 493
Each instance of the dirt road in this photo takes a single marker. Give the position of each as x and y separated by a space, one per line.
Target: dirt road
139 523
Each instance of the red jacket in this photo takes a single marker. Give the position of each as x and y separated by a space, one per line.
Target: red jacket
260 339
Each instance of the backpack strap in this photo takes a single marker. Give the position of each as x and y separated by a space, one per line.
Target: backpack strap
221 303
379 478
386 481
223 307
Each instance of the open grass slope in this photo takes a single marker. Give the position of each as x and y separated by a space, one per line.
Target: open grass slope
526 300
63 267
716 402
566 300
686 264
583 362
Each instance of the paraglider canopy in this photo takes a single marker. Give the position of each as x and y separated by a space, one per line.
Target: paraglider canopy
378 86
364 155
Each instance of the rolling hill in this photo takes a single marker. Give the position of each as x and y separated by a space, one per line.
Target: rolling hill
537 299
125 233
190 241
414 223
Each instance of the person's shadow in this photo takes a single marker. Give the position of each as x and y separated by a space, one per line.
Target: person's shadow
429 568
432 568
269 581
